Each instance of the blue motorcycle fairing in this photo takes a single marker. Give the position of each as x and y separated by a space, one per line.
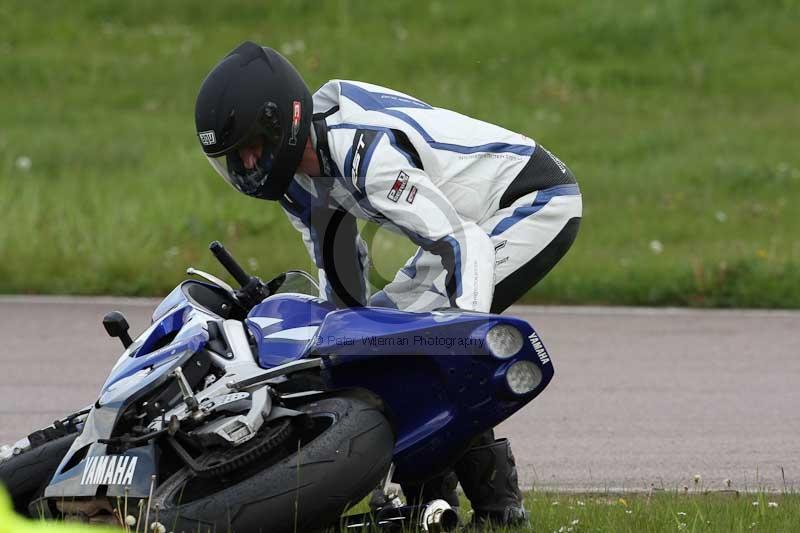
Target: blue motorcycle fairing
102 420
77 478
168 325
136 371
284 326
179 327
387 331
439 383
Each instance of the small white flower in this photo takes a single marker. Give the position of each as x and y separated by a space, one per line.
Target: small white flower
291 47
158 527
681 513
628 511
697 479
682 525
130 520
721 216
656 247
23 163
575 522
755 504
581 504
400 33
772 504
555 503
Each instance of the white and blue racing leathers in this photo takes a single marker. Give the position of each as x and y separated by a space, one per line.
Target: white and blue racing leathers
490 209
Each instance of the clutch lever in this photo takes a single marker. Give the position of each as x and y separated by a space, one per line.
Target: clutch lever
213 279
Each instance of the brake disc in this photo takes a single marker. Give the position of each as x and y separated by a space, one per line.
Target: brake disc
226 461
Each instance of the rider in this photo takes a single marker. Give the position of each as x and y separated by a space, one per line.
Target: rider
491 210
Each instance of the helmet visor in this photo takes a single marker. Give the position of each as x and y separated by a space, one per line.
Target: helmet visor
248 166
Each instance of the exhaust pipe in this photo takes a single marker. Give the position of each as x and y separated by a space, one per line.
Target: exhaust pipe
435 516
438 517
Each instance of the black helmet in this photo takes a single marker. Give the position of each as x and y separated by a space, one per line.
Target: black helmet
254 96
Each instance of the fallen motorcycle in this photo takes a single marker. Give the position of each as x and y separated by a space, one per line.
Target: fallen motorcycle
264 408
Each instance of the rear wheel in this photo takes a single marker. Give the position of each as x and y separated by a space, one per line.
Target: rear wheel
25 475
331 460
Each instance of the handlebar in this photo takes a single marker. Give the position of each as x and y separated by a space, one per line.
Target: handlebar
229 263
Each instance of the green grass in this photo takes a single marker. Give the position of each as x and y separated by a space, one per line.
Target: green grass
673 511
670 511
661 511
679 118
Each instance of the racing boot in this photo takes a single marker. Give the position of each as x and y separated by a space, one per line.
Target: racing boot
442 487
488 475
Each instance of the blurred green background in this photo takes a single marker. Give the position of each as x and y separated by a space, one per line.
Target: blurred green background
680 119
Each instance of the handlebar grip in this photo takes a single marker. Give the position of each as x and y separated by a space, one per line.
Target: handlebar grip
229 263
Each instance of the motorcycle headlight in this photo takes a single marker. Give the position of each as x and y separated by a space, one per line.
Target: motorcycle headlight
523 377
504 341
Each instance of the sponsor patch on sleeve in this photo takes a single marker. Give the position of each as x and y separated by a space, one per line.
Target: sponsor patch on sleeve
412 193
399 186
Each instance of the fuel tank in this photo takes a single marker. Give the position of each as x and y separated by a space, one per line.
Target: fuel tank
284 326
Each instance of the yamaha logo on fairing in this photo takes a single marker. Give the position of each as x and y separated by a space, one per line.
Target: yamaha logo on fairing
207 137
541 352
109 470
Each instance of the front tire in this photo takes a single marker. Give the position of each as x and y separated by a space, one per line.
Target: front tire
307 489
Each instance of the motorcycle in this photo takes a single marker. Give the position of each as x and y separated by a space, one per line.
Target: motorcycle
265 408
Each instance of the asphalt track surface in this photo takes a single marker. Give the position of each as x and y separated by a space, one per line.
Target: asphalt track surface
640 397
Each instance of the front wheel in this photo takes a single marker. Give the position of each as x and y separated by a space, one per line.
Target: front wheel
340 454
